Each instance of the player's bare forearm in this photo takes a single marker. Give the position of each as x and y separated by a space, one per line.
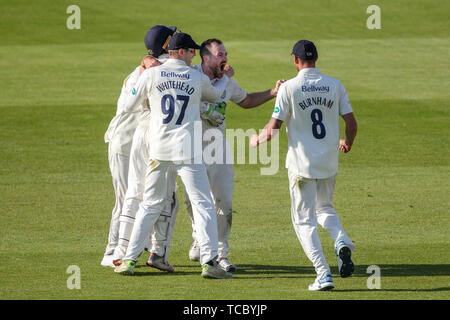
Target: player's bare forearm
258 98
351 127
269 131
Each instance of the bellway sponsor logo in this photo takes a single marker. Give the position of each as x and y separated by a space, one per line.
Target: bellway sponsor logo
313 88
181 76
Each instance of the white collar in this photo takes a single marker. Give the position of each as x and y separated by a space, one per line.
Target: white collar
176 62
307 72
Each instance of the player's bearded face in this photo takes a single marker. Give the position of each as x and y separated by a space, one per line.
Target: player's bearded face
218 60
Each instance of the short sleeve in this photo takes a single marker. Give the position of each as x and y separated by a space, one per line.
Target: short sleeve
238 94
344 102
210 92
282 104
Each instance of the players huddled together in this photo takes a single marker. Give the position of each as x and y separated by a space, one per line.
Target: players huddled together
153 139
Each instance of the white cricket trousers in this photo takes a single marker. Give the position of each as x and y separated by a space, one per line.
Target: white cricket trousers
163 228
195 180
118 165
221 180
311 203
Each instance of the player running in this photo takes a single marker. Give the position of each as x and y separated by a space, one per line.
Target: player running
311 104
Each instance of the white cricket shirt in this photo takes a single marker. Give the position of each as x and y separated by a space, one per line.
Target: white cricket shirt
122 127
216 148
233 92
311 104
174 91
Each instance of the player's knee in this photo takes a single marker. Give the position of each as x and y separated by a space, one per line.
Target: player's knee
126 219
163 218
155 208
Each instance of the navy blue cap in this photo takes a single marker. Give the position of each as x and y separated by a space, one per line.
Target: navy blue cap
182 41
305 50
157 39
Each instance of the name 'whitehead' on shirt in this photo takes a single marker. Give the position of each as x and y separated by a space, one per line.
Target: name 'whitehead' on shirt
174 84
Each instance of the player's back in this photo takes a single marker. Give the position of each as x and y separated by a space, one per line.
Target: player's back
174 99
313 125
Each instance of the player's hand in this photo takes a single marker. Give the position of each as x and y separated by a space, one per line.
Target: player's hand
228 70
274 91
254 140
343 146
214 113
148 62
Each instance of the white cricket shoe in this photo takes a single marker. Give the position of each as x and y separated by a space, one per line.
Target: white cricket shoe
215 272
194 252
322 284
158 262
345 263
126 268
226 265
107 261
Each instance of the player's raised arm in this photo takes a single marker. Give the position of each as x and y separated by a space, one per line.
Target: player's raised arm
270 130
257 98
280 114
147 63
138 94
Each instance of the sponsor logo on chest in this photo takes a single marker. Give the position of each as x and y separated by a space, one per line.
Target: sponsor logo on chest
316 89
179 76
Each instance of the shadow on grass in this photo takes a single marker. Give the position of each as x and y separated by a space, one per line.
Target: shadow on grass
260 271
272 271
145 271
406 270
393 290
394 270
389 270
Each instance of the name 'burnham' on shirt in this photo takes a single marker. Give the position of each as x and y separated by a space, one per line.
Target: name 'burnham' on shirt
316 101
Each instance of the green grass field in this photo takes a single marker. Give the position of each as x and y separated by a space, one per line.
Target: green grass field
59 89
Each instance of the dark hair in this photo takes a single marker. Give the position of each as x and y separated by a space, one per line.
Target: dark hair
204 51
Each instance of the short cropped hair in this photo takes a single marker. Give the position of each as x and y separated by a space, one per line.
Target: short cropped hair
204 51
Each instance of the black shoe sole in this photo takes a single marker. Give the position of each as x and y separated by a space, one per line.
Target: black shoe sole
232 269
347 267
327 288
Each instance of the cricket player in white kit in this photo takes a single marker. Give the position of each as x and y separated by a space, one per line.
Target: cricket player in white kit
119 137
156 41
311 104
175 90
221 173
